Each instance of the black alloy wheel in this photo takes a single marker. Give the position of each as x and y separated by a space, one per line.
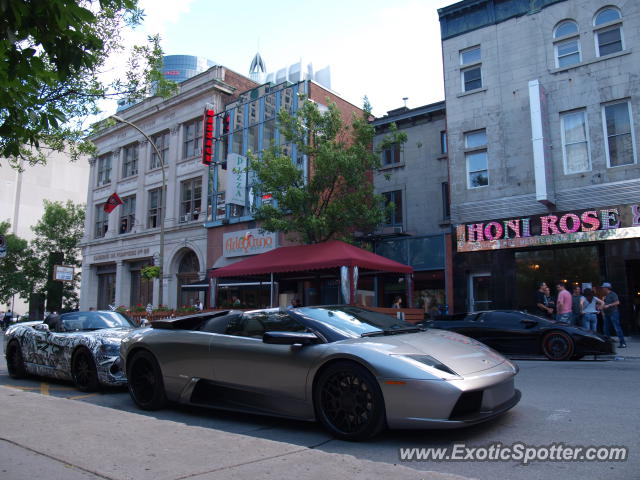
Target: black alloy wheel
145 381
557 346
348 401
83 371
15 361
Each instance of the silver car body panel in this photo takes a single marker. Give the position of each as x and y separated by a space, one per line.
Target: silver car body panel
246 374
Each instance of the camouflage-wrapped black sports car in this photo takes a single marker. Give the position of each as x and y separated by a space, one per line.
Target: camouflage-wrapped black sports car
83 347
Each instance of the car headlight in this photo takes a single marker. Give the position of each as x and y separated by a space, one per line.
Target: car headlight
110 349
431 362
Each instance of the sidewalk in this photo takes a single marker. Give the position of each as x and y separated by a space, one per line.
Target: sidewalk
632 351
96 442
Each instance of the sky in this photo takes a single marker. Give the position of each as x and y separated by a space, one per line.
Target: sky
386 50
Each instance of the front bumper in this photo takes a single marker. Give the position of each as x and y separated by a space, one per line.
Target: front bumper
110 371
419 404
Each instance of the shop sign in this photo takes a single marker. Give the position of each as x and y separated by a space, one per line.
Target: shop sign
131 253
247 242
63 273
572 227
236 179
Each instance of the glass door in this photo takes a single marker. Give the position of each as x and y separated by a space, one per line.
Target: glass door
479 292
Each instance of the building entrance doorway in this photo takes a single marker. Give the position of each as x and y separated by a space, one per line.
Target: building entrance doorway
479 292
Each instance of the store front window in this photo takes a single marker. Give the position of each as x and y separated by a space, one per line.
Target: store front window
106 289
188 273
573 266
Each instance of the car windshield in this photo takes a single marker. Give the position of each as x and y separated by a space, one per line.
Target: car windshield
353 322
95 321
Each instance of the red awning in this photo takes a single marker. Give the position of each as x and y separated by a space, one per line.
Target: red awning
318 256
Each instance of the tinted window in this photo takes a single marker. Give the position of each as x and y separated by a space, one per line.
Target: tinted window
352 322
254 325
94 320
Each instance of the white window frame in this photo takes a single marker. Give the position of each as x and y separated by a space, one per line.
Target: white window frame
473 150
606 27
465 67
563 115
560 43
606 134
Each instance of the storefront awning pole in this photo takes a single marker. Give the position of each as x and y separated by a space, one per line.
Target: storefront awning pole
271 299
213 294
409 283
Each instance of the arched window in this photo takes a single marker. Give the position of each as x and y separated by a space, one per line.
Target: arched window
564 28
609 38
188 273
606 15
567 46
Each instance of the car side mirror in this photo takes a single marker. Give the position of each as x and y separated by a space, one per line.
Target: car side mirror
290 338
41 327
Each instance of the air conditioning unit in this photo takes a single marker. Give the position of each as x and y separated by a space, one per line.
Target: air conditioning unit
398 229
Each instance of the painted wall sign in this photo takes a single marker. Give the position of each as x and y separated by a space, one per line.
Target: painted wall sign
139 252
572 227
247 242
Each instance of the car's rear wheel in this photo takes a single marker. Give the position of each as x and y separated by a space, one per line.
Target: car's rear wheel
557 346
84 372
348 401
15 361
145 381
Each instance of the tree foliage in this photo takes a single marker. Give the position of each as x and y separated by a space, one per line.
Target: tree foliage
336 199
25 269
53 54
12 279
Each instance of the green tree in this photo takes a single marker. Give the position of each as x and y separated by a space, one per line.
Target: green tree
53 53
12 279
59 230
337 199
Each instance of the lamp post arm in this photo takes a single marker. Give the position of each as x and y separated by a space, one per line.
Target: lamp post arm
162 199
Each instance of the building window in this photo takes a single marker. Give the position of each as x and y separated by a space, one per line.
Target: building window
161 141
130 161
155 208
190 196
567 49
618 131
101 221
127 214
391 155
104 169
609 38
446 202
471 74
394 217
192 138
476 157
443 142
575 142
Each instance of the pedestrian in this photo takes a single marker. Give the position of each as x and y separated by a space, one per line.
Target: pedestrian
550 302
397 302
542 301
590 305
612 314
576 306
563 304
235 301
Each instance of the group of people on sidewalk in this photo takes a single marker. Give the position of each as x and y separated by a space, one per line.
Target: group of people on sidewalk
582 308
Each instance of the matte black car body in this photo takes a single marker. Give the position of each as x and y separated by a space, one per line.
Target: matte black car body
512 332
329 364
83 347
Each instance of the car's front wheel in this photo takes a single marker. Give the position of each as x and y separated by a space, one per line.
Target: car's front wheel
15 361
557 346
348 401
83 371
145 381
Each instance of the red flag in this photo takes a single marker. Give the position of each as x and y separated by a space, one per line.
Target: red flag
112 202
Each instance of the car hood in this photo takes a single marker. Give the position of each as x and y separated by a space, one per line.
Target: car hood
109 335
462 354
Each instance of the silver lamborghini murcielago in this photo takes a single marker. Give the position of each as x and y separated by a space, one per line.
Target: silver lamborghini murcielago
354 370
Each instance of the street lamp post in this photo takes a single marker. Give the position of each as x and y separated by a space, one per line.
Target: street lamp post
162 204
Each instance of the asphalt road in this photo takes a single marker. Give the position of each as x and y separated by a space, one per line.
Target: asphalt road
585 403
